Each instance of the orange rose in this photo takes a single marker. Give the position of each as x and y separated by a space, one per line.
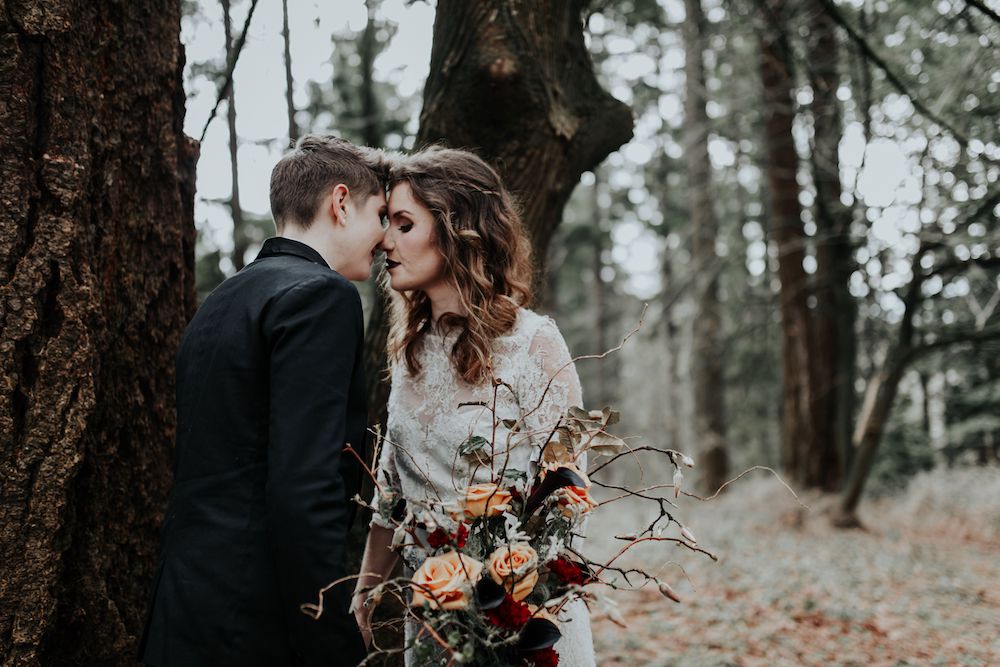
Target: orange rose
575 497
486 499
444 581
515 567
570 497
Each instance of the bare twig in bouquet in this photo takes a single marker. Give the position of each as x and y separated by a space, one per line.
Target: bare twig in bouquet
385 439
630 493
371 473
670 453
316 610
742 474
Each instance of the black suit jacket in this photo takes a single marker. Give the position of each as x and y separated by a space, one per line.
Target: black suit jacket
270 387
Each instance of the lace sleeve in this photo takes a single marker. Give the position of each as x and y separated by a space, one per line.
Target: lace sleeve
388 481
542 402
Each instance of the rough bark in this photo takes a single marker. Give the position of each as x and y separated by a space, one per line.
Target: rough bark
96 285
513 80
789 236
241 241
707 353
293 126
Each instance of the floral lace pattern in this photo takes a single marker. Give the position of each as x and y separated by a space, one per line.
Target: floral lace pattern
432 414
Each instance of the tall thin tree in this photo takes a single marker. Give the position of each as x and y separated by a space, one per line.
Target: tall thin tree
788 234
707 379
241 240
835 311
293 126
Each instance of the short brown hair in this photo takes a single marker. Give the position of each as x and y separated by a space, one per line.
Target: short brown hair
304 175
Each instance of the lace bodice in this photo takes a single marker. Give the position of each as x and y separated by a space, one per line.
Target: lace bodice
432 414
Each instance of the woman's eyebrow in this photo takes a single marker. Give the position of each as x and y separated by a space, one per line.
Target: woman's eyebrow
400 212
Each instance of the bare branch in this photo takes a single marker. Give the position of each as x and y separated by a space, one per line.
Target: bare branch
981 6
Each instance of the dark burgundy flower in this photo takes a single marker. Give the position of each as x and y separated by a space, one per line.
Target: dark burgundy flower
510 614
568 571
440 538
461 535
547 657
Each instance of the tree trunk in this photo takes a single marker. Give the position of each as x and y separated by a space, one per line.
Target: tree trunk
371 129
707 353
788 234
835 311
513 80
879 398
293 127
240 238
96 285
600 293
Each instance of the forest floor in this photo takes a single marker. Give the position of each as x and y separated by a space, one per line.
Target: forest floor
919 586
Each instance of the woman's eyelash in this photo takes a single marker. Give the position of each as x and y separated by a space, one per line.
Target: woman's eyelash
405 227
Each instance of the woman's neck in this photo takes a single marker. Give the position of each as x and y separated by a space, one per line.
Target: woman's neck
444 298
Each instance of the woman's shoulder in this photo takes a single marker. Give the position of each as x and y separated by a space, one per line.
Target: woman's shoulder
533 329
529 324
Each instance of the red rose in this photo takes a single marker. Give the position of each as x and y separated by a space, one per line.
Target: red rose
546 657
461 535
510 614
439 538
567 571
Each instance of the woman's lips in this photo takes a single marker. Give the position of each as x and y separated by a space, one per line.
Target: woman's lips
390 265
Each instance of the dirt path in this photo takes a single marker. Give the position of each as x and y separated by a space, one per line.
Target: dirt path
801 593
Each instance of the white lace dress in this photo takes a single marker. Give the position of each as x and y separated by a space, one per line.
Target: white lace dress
420 461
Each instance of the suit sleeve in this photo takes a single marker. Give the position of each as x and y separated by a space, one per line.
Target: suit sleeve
314 331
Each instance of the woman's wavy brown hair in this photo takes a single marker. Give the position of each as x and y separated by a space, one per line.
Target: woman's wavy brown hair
478 230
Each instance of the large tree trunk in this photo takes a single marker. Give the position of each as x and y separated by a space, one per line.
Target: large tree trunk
835 312
241 242
707 354
96 285
789 236
512 80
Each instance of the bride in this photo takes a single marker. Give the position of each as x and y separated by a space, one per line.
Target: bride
458 263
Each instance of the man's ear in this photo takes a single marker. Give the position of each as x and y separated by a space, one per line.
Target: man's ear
337 202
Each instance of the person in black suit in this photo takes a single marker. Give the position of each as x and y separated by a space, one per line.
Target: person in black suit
270 389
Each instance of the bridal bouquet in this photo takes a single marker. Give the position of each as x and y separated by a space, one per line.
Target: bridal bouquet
497 568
